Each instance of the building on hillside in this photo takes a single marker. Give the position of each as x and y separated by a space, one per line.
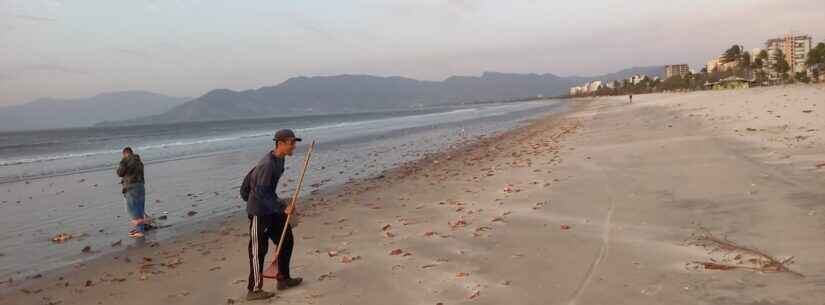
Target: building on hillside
594 86
713 65
636 79
588 88
733 82
577 90
795 47
610 85
717 65
673 70
755 53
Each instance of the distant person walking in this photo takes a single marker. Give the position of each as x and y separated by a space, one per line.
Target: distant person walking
267 216
131 173
631 98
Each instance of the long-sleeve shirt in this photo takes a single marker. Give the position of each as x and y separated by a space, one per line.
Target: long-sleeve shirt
263 186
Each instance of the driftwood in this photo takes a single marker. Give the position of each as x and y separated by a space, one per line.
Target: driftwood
745 257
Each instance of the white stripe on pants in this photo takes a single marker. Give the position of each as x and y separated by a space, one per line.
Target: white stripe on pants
256 266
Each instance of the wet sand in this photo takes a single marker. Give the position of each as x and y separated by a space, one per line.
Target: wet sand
594 206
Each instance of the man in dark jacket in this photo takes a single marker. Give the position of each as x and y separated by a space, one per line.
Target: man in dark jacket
267 216
131 173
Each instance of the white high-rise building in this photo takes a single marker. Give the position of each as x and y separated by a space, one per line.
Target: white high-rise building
795 47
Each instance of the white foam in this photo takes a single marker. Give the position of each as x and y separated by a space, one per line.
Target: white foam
391 121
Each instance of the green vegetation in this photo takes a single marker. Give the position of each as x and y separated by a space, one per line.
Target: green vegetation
733 54
762 69
780 65
816 60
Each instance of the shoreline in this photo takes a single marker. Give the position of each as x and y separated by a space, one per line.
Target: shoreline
89 206
316 197
590 206
190 229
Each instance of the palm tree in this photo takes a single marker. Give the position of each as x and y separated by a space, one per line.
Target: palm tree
734 53
780 64
816 60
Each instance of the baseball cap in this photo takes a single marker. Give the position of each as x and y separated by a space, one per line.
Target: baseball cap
284 134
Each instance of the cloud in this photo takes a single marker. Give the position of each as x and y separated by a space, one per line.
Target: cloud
53 68
466 5
131 52
36 18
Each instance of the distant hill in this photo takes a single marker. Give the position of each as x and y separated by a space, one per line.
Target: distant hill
346 93
626 73
48 113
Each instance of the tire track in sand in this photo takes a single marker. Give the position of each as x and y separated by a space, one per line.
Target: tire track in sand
605 247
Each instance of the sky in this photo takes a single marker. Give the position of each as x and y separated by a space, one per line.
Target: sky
78 48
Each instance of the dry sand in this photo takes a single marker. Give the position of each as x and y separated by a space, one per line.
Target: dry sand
596 206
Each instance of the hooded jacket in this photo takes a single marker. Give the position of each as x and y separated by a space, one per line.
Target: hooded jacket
130 171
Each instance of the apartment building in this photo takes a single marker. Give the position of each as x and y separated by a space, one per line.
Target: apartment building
673 70
795 47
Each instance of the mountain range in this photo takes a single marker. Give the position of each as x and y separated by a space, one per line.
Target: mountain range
49 113
354 93
298 95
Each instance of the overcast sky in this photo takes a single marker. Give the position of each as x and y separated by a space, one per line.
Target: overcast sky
76 48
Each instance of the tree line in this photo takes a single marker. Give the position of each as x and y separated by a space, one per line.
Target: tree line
757 68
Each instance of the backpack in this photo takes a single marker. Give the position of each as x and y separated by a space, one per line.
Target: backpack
246 186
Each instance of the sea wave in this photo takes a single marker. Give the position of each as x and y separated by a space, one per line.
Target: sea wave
256 134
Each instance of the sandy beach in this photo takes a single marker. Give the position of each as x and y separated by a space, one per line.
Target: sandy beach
603 204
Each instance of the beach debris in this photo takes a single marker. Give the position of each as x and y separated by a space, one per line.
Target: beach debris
429 233
388 234
821 165
462 274
386 227
62 237
807 111
458 223
326 276
117 243
27 291
483 228
332 253
347 259
732 256
172 263
230 301
88 283
191 213
474 295
396 252
86 249
565 227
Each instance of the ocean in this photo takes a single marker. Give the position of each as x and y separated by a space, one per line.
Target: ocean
63 181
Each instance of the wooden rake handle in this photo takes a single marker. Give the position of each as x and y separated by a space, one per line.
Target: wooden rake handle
295 197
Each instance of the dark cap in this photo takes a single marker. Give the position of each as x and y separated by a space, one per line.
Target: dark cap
284 134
